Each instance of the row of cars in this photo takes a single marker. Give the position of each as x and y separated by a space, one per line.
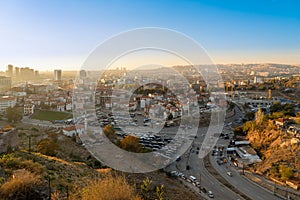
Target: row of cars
148 140
218 153
193 180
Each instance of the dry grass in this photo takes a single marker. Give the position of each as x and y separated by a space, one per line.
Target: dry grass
22 185
107 188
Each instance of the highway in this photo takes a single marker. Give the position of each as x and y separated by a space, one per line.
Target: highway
208 181
198 170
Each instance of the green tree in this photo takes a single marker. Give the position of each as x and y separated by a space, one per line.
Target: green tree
276 107
289 110
274 169
13 114
250 115
277 115
286 172
238 131
44 106
170 117
248 126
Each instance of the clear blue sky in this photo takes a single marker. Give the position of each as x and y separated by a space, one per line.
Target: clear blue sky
61 34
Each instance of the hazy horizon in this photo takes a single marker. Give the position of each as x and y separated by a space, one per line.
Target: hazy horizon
61 34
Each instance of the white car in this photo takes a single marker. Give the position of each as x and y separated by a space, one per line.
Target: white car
210 194
229 173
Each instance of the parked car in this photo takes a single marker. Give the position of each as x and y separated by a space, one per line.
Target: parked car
229 173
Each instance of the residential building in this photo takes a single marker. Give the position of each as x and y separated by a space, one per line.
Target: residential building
29 108
6 102
57 74
61 106
9 139
5 84
73 130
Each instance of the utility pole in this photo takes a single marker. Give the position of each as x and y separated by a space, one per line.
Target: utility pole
200 179
243 168
274 190
29 144
49 188
67 193
286 191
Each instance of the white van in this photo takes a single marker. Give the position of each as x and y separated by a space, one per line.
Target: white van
193 178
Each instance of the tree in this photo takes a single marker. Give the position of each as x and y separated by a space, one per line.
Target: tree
276 107
259 117
13 114
238 131
110 132
44 106
131 143
248 126
289 110
250 115
170 117
47 147
286 172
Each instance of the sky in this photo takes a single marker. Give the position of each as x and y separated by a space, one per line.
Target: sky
47 35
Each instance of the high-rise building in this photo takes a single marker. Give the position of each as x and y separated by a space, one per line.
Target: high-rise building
9 71
82 74
5 84
26 73
57 74
17 72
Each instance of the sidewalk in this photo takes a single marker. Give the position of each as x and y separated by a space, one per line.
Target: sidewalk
277 189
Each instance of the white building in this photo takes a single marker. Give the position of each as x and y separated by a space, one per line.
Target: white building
68 106
6 102
61 106
28 109
143 103
73 130
57 75
258 79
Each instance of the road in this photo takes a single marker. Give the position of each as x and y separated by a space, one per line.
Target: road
209 182
198 170
41 123
239 181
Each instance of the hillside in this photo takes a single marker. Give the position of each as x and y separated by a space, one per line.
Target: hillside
73 172
278 149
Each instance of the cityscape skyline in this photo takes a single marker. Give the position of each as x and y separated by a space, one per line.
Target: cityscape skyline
50 35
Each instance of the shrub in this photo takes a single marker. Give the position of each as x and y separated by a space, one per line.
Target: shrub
160 192
35 129
286 172
131 143
47 147
146 184
107 188
23 185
